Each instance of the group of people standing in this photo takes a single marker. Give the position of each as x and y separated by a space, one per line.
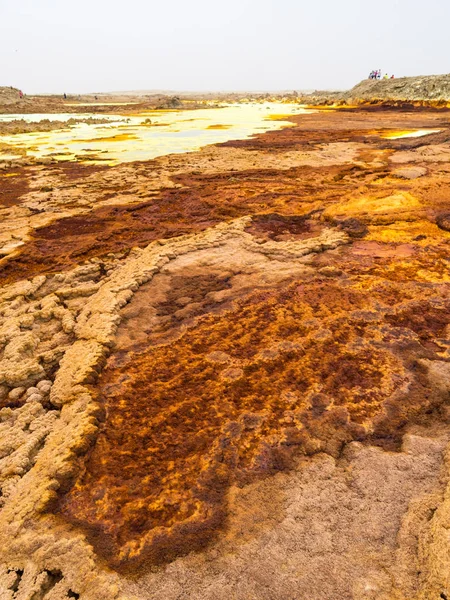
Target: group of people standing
377 75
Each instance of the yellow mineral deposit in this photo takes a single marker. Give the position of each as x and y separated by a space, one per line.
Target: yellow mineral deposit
377 209
413 133
139 141
420 232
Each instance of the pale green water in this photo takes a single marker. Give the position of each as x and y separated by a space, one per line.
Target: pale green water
127 139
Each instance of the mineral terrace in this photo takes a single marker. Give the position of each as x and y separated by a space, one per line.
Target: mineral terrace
225 374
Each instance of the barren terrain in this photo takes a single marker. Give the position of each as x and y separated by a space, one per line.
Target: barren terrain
420 91
226 373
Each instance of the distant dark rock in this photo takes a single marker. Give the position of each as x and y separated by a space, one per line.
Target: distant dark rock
170 102
443 221
354 227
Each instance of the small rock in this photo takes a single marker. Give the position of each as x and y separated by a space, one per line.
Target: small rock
31 390
443 222
268 354
183 300
218 357
251 420
410 172
354 227
16 393
188 310
44 386
35 398
232 373
26 321
219 296
21 162
322 335
330 271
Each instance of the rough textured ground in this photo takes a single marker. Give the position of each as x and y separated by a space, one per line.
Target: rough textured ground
22 126
226 374
130 102
428 90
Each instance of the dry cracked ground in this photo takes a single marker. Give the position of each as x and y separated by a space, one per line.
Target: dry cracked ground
226 374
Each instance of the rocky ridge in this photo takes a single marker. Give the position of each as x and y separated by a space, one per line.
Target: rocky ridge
8 95
429 90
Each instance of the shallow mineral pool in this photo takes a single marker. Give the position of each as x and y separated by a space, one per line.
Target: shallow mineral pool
148 134
413 133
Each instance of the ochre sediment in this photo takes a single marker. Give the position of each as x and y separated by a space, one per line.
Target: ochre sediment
13 186
303 370
242 351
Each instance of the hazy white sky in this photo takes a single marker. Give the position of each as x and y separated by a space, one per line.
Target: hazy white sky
98 45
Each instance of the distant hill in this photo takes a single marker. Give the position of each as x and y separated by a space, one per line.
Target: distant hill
428 89
8 95
406 89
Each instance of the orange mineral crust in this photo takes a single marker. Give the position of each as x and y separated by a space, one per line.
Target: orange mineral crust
92 210
13 185
200 202
300 370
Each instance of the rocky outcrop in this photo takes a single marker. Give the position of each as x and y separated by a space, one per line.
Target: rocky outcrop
23 126
8 95
432 90
170 102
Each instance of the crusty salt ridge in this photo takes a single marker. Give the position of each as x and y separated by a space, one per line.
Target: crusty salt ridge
71 435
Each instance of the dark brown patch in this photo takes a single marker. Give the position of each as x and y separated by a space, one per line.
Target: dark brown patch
274 226
313 368
74 170
443 221
13 186
203 202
